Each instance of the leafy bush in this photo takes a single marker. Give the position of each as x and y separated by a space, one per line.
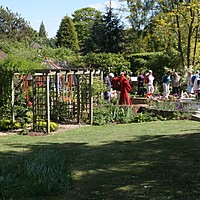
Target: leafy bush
7 124
108 61
42 126
109 113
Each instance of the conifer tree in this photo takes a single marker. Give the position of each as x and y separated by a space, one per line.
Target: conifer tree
42 31
13 26
66 35
108 33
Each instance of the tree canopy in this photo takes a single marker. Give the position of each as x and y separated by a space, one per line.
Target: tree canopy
67 35
13 26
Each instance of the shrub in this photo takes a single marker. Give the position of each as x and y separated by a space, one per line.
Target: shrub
109 113
7 124
42 126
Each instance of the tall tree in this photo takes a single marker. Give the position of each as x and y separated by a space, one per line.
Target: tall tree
108 32
67 35
176 24
42 31
182 23
84 20
13 26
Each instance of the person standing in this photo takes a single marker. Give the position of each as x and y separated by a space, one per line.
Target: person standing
176 83
149 82
189 83
196 86
124 94
115 82
166 84
140 82
121 78
196 75
107 81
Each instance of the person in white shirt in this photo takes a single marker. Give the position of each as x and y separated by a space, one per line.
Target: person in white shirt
196 86
149 86
189 83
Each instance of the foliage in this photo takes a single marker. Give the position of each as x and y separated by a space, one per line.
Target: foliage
107 33
160 108
107 61
109 113
155 61
62 55
13 26
84 20
66 35
181 21
42 126
98 86
42 31
7 125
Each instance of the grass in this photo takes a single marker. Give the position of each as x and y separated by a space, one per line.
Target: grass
143 161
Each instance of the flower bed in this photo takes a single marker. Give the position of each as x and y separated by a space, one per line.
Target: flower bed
173 103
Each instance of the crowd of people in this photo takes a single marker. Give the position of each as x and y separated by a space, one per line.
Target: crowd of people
192 83
122 86
171 84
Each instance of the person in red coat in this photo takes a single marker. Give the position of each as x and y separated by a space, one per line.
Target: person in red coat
115 82
121 78
125 89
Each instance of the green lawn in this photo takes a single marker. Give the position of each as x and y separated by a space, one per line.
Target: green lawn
143 161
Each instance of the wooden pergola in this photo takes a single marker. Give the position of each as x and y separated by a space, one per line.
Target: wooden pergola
59 95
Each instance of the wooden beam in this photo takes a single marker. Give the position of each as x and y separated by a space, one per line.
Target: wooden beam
13 98
78 100
91 97
47 104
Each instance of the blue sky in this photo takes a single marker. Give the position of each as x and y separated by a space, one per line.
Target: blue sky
51 12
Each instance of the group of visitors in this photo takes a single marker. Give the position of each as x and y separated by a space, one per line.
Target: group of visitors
192 82
169 80
119 83
173 79
145 83
146 79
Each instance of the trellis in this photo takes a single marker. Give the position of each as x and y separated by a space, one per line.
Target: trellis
61 95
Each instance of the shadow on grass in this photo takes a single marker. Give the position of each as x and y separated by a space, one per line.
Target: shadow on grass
150 167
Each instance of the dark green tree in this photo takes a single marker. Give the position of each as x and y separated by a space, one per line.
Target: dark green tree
108 33
42 31
13 26
84 20
67 35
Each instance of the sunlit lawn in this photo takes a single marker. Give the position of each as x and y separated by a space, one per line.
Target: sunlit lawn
152 161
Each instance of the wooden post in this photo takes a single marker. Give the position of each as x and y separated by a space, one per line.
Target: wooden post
102 95
78 99
13 98
91 96
26 87
47 104
57 96
34 103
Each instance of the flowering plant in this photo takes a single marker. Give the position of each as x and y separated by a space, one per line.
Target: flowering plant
171 102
